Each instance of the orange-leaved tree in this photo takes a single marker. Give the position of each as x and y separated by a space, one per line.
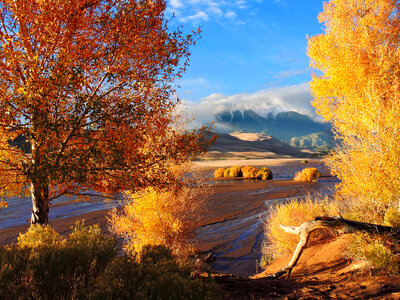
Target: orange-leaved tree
357 89
88 84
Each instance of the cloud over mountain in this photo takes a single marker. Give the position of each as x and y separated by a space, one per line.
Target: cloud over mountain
274 100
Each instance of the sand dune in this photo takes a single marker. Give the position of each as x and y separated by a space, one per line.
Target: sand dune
244 145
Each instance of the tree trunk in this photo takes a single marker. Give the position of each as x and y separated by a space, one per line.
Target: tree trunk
337 223
40 204
39 189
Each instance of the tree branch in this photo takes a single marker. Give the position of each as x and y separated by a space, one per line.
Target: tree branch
339 224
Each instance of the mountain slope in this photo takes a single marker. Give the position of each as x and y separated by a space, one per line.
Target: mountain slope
282 126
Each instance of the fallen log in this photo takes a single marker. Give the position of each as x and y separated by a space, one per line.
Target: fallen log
337 223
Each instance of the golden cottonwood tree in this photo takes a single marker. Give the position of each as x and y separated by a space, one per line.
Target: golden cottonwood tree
358 90
88 83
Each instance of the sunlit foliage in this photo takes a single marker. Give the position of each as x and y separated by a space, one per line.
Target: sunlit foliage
357 89
235 172
264 174
165 217
219 173
89 85
307 174
248 172
292 213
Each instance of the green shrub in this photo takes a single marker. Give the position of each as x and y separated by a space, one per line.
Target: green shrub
250 172
48 266
265 174
307 174
376 251
219 173
158 276
38 236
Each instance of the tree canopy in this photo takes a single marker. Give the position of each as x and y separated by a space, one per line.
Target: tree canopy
89 85
357 89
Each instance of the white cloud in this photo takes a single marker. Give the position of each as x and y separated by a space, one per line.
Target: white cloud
290 98
176 3
230 14
215 10
200 15
204 10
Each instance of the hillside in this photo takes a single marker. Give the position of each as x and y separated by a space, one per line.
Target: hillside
282 126
312 140
242 145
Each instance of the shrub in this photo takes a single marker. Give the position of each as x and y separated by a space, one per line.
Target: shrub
157 276
235 172
375 251
219 173
307 174
167 218
59 269
226 172
265 174
292 213
85 266
392 217
250 172
38 236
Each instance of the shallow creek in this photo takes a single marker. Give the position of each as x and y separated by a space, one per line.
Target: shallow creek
234 231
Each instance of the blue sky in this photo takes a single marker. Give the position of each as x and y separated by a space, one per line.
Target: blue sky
252 53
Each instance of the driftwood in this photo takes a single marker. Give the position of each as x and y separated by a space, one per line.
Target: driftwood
337 223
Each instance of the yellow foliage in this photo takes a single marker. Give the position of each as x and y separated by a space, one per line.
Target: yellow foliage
264 174
392 217
235 172
219 173
250 172
357 91
38 236
292 213
307 174
166 218
226 173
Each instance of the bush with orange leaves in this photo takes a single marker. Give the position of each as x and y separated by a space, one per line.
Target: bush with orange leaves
250 172
167 217
219 173
307 174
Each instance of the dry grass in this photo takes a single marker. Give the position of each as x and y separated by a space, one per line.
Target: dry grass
292 213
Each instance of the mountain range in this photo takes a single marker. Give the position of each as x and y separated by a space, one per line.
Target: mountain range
294 128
